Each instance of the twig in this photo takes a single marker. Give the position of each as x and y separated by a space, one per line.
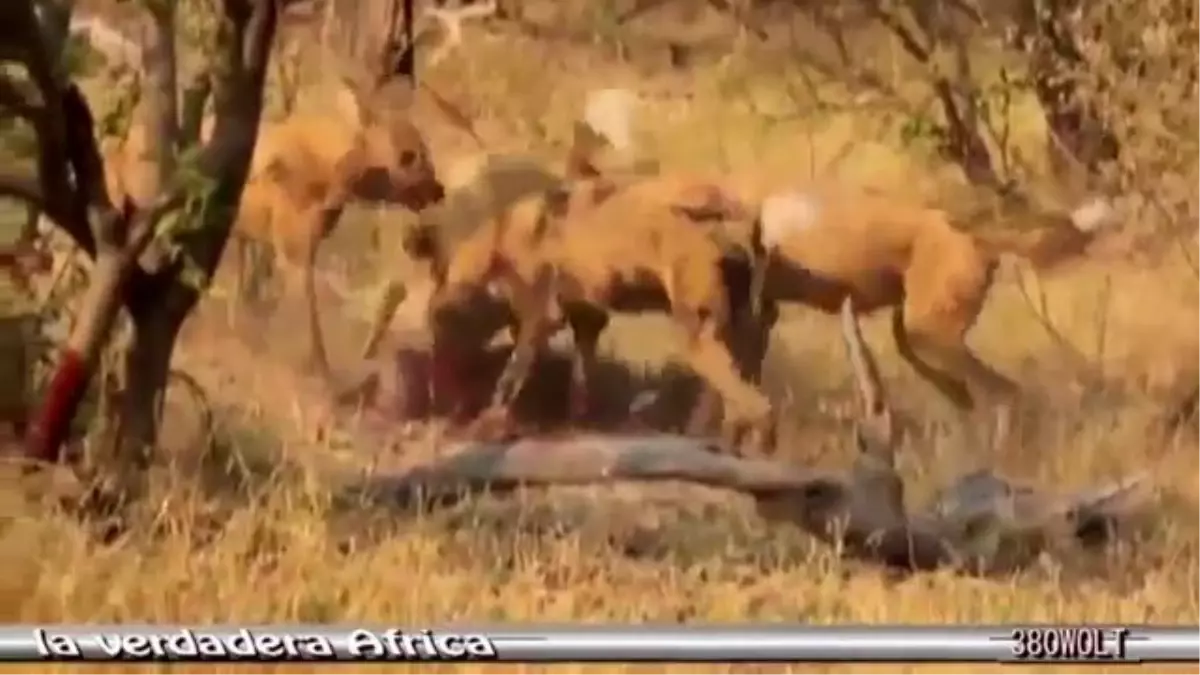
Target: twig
1041 313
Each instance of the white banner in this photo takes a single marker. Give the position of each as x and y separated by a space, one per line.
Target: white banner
1092 644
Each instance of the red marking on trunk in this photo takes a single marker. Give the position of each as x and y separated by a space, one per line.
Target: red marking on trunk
50 425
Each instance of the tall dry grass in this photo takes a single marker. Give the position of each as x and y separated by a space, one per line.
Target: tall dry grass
255 531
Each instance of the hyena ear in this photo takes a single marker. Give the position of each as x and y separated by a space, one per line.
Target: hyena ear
785 214
609 113
1094 214
606 124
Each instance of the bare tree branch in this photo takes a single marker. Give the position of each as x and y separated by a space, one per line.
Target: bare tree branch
14 102
23 186
908 39
963 143
246 34
159 100
451 22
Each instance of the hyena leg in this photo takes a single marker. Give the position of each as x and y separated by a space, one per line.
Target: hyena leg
938 352
262 268
520 363
907 344
234 299
394 292
536 309
496 421
703 418
318 357
752 338
251 274
936 338
754 317
587 323
746 408
944 293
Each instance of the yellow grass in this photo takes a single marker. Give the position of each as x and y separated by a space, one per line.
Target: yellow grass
276 549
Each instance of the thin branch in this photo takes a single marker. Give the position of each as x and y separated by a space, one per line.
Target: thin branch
247 31
85 162
963 143
260 35
145 222
50 125
159 94
13 101
451 22
907 38
1041 313
969 10
23 186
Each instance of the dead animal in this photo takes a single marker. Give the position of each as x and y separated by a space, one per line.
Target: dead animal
825 245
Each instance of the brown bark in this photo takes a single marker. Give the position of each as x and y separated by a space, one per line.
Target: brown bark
146 370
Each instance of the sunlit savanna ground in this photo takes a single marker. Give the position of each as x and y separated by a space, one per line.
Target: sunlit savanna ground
230 542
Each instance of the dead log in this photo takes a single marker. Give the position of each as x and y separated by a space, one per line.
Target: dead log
846 510
980 523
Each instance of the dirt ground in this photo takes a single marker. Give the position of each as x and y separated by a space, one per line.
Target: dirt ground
244 524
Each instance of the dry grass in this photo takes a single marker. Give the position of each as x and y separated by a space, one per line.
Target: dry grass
230 544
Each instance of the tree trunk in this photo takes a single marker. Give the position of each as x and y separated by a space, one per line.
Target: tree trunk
146 368
77 362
